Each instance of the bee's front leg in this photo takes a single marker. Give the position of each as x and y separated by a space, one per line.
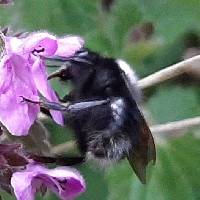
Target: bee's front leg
70 108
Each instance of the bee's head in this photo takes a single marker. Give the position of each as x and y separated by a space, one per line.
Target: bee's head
81 58
95 75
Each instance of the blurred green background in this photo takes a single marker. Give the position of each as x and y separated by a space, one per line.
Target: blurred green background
150 35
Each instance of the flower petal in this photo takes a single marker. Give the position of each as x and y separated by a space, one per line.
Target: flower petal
5 74
67 46
64 181
43 44
13 44
43 86
16 116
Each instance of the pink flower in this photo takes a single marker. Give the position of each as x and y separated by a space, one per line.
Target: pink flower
6 1
16 80
23 73
64 181
67 46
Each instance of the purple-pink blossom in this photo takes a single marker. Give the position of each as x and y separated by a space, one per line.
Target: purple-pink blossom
23 73
6 1
65 182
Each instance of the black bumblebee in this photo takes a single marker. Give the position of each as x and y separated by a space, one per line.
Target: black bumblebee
103 112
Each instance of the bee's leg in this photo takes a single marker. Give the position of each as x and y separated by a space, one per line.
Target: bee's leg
59 160
76 107
71 108
46 104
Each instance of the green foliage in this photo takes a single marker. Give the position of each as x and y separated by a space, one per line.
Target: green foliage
171 17
174 103
120 178
118 26
173 176
97 187
176 174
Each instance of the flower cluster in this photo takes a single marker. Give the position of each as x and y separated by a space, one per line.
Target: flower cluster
22 175
66 182
23 73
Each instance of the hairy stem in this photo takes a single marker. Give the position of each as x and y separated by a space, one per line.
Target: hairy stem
169 72
167 128
176 126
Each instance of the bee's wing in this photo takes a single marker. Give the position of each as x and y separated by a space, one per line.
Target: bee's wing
144 150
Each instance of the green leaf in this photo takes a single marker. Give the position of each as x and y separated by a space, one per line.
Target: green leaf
119 178
171 17
175 175
97 187
98 41
174 103
58 16
5 196
124 15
